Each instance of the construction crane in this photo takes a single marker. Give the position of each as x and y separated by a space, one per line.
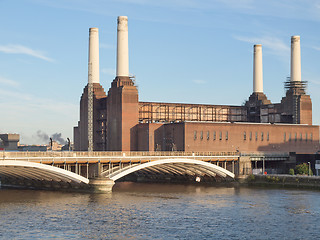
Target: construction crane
90 109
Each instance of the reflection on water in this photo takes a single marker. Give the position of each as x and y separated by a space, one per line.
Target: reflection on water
160 211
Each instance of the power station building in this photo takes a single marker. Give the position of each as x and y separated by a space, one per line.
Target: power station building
118 121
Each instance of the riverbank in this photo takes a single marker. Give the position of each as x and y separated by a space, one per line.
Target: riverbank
282 180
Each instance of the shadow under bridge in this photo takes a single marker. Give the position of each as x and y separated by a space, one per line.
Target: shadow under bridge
37 175
173 169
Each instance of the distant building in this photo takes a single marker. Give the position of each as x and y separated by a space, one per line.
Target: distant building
120 122
54 146
9 141
51 146
33 148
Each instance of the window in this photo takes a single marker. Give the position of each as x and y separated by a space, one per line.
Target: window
295 136
289 137
227 135
220 135
310 136
250 136
256 136
284 137
214 135
244 136
201 135
300 136
195 135
306 137
267 136
208 135
261 136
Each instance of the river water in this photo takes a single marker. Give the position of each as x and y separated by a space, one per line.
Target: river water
161 211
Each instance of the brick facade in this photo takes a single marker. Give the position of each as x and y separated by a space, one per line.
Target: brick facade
122 123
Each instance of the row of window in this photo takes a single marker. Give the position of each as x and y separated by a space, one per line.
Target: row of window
295 135
219 135
284 136
251 136
214 135
256 136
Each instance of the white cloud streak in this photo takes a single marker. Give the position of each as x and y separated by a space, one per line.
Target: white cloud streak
19 49
6 94
33 102
8 82
276 45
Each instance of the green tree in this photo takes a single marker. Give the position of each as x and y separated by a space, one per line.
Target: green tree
303 169
291 171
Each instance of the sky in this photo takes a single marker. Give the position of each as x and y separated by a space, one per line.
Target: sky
185 51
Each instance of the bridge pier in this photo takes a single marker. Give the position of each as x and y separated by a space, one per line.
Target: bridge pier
101 184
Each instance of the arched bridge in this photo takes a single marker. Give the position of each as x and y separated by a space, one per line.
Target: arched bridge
172 167
38 175
84 170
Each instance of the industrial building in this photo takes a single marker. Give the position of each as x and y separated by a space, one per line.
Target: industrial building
118 121
9 141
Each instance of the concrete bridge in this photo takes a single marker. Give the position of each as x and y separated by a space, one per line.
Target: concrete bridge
100 170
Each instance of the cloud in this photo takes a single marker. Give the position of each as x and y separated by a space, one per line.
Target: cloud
109 71
199 81
33 103
193 4
5 94
19 49
287 9
237 4
276 45
316 48
8 82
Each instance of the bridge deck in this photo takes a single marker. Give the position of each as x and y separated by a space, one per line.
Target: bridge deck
114 157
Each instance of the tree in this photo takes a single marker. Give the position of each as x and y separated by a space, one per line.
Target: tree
291 171
303 169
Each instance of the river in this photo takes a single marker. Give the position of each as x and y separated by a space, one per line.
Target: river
161 211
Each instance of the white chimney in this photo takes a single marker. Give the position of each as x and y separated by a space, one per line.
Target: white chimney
295 59
122 47
257 69
93 63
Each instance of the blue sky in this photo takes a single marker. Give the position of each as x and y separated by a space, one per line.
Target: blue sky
190 51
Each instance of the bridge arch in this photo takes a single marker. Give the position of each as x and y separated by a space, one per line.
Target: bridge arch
173 166
22 170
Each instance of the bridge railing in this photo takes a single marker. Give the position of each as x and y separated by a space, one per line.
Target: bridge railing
61 154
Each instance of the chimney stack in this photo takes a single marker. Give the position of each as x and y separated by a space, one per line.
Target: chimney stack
257 69
93 62
122 47
295 59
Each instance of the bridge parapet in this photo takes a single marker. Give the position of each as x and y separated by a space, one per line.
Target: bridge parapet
53 160
4 154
